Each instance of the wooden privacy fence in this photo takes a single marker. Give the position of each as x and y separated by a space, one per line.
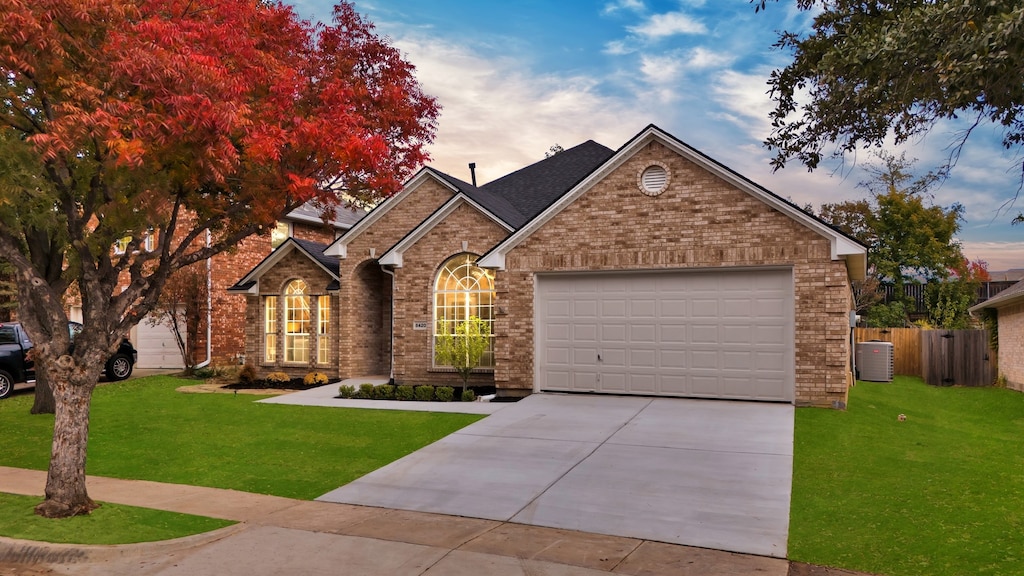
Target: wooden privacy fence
957 358
906 347
941 357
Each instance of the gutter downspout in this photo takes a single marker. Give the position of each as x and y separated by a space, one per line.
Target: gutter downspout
392 336
209 308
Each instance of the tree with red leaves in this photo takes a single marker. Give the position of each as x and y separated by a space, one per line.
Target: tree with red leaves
199 122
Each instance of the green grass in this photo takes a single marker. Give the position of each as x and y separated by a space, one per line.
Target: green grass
941 493
143 429
108 524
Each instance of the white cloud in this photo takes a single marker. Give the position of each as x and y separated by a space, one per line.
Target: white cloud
618 48
999 255
661 69
617 5
701 57
668 24
744 96
502 116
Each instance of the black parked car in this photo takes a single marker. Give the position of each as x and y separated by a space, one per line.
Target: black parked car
16 366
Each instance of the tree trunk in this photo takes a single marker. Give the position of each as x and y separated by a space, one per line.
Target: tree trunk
44 402
66 494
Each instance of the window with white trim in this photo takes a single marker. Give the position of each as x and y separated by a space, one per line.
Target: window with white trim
270 329
297 322
323 333
462 290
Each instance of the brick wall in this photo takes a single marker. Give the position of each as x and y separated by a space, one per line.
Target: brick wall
365 299
414 289
1011 345
700 221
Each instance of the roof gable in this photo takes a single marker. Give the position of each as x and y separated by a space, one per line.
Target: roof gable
843 246
312 250
394 255
339 247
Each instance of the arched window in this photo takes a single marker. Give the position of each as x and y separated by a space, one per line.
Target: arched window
296 322
463 289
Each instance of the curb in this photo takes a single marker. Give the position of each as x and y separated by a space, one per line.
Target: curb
15 551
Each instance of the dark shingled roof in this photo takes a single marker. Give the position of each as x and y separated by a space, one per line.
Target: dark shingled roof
517 197
532 189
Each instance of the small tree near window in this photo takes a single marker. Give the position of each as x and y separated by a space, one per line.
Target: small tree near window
464 348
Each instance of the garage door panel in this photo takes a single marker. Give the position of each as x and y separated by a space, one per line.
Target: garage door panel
674 359
643 358
738 361
721 334
643 308
736 308
674 308
641 384
704 308
735 335
584 358
612 358
559 356
614 383
704 334
618 308
558 332
704 359
584 332
643 333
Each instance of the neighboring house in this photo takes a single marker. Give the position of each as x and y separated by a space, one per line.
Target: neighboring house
222 340
1009 310
648 270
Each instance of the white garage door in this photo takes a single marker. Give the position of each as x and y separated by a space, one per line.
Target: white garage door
156 346
697 334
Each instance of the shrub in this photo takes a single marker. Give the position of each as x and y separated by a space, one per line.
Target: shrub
384 392
346 391
247 375
278 377
468 395
424 393
444 393
365 391
315 379
404 393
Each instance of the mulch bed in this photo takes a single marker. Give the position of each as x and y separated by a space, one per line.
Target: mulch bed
293 384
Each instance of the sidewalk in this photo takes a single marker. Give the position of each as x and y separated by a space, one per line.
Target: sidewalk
280 535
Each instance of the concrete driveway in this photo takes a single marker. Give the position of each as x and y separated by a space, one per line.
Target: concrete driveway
713 474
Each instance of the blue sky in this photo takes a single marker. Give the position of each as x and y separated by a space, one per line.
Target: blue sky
514 78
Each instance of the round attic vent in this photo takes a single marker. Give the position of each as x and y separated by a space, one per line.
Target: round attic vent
653 179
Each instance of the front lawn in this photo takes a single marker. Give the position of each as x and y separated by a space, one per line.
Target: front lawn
940 493
108 524
142 429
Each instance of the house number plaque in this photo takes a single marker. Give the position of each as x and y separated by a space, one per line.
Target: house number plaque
420 325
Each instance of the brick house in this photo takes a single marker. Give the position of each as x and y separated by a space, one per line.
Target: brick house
652 269
1009 310
222 339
